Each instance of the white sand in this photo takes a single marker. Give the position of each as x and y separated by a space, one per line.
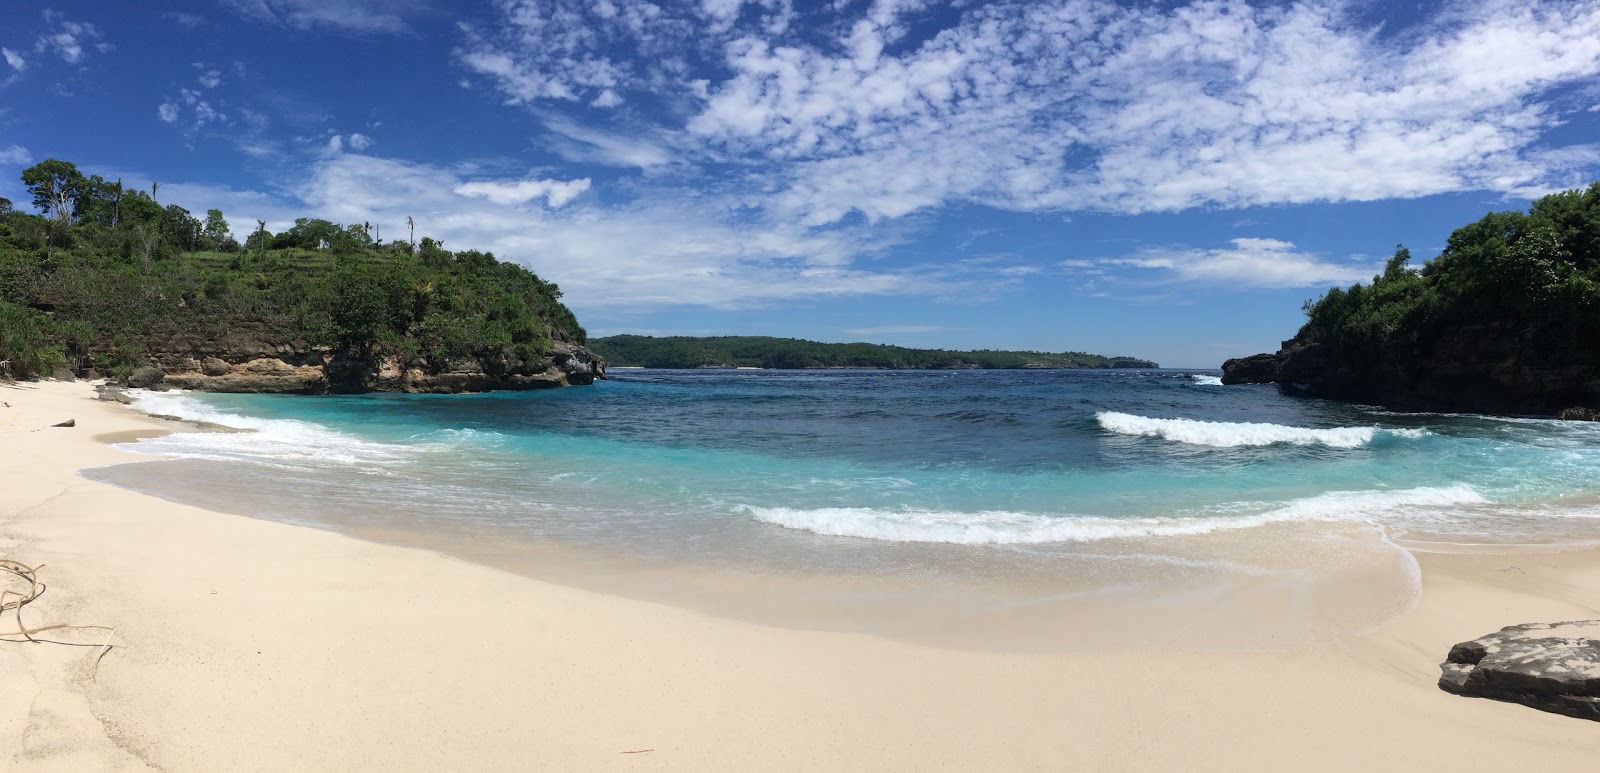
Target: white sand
249 645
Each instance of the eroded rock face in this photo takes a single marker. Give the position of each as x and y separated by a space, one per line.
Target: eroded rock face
145 377
239 363
1550 666
1255 369
1481 367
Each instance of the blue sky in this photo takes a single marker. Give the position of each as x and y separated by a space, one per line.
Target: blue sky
1159 179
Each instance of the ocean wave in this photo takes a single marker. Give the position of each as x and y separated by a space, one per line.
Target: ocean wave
274 441
1206 380
1227 434
1008 528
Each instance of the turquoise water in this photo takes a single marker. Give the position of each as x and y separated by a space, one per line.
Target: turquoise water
806 467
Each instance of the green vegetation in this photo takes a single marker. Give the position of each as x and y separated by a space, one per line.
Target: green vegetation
106 277
765 352
1535 275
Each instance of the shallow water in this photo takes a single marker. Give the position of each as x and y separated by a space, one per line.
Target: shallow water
976 491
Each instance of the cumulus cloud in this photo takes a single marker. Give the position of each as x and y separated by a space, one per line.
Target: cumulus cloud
14 59
1246 262
894 106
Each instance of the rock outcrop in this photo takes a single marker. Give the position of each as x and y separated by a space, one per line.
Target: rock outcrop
1549 666
1480 368
244 362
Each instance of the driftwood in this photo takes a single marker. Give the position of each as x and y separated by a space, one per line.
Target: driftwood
14 601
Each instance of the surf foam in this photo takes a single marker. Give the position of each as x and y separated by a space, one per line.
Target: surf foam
1226 434
1008 528
1206 380
273 441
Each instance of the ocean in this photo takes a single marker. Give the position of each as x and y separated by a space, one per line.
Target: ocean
920 502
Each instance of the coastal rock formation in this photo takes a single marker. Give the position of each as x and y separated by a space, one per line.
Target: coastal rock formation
251 361
1484 367
1549 666
1255 369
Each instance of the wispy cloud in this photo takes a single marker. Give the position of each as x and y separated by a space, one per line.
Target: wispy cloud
894 330
358 16
70 40
1067 105
652 253
14 60
1244 263
15 154
556 193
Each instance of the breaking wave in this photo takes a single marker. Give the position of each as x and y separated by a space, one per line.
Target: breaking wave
1227 434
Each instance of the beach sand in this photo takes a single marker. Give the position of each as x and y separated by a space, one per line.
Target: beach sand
243 644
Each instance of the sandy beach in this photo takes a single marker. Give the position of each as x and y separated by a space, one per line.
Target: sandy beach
243 644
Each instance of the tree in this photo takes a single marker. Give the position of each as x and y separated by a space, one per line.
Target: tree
181 227
55 185
215 229
1396 268
259 239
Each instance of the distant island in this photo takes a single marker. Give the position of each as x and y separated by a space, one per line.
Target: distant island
1505 320
107 282
794 353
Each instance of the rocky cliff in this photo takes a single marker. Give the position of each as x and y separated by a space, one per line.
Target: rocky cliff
1483 367
255 361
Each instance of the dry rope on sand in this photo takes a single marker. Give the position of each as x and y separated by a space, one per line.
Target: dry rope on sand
14 601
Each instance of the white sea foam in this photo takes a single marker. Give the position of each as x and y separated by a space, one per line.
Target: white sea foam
1009 528
1228 434
1206 380
281 441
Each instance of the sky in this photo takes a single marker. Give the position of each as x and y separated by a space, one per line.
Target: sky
1166 180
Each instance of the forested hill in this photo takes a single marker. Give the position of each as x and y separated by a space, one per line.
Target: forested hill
765 352
107 281
1506 319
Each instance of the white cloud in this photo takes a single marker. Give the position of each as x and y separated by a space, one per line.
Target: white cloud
666 251
359 141
1070 104
187 21
14 59
67 39
15 154
576 142
335 145
1247 262
358 16
555 192
209 77
168 112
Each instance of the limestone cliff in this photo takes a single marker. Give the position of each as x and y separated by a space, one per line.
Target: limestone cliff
254 361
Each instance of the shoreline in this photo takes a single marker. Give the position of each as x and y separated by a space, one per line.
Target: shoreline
250 644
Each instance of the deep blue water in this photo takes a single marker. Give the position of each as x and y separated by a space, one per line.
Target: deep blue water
745 466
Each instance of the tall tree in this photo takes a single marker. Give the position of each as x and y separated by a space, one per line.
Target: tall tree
55 185
215 229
